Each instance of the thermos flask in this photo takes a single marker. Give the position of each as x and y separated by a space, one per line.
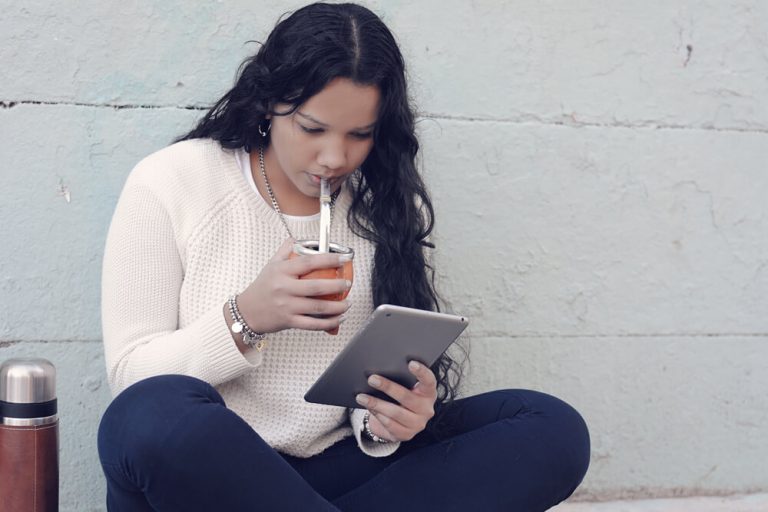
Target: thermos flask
29 436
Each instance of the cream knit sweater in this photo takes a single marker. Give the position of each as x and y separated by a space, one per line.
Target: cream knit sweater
187 233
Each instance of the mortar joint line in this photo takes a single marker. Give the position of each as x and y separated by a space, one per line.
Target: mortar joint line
422 116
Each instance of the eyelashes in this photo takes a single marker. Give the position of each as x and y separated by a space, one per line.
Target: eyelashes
311 130
317 131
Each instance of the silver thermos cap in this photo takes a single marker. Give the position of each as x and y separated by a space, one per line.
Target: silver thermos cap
27 391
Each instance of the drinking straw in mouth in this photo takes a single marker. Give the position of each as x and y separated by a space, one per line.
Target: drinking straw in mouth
325 215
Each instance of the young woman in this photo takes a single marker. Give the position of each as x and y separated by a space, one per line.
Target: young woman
209 413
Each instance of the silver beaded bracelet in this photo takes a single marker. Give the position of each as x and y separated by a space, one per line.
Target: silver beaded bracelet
251 338
367 430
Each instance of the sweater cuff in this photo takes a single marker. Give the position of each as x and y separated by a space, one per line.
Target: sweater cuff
226 360
369 447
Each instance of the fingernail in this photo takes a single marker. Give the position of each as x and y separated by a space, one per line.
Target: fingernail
361 399
413 365
343 258
374 381
348 284
342 318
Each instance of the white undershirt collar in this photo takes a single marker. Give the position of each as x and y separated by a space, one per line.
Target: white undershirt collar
244 161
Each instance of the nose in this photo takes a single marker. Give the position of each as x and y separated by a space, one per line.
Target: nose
332 155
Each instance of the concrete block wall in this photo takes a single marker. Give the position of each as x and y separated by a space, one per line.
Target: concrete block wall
599 171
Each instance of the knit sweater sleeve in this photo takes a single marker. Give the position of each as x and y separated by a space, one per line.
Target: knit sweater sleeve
141 281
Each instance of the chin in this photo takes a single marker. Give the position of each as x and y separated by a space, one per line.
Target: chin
310 191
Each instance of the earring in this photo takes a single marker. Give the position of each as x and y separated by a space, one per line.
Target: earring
262 132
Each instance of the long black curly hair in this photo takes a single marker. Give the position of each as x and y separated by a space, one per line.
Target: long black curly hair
391 206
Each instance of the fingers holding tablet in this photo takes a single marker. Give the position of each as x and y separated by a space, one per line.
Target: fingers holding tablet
427 384
401 423
416 406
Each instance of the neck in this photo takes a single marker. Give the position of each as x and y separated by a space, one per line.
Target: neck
290 200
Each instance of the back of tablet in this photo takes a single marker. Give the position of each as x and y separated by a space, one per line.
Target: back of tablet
392 337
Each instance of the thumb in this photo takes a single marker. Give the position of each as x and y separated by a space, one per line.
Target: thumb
284 251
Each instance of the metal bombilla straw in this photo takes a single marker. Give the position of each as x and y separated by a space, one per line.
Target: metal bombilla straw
325 215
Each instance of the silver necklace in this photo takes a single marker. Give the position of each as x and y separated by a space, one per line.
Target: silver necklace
274 199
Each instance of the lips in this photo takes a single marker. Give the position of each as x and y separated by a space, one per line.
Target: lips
315 180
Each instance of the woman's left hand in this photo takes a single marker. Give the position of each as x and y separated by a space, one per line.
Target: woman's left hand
401 422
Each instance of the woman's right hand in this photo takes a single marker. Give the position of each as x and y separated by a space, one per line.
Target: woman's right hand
277 299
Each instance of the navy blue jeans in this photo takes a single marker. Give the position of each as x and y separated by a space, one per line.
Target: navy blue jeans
169 443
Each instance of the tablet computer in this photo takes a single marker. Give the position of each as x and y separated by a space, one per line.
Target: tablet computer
392 336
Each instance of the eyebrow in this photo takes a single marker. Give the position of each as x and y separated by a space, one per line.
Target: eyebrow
310 118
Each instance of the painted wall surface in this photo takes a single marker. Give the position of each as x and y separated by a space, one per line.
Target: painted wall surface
600 174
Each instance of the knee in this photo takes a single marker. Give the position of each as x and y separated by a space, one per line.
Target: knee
567 434
571 433
136 421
